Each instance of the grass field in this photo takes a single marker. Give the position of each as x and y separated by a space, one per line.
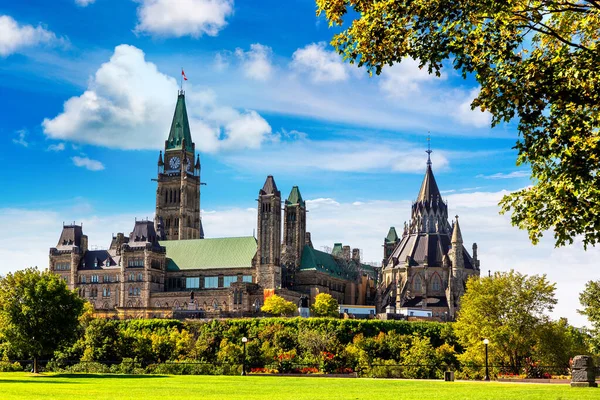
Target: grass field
148 387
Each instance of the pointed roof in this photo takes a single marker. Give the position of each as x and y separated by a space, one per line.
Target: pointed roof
269 187
180 127
429 188
160 160
392 236
295 197
456 234
201 230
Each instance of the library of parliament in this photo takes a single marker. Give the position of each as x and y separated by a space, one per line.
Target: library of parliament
168 268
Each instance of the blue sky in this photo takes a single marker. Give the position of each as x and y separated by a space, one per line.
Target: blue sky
88 90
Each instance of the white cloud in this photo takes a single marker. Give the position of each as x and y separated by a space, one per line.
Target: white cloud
129 105
56 147
511 175
84 162
14 37
256 63
84 3
302 154
320 64
21 138
405 78
183 17
474 117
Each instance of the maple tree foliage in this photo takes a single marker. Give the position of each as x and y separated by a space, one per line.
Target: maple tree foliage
537 63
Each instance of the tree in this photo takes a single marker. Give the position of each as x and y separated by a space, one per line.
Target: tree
590 300
507 309
277 305
535 60
325 306
558 342
38 313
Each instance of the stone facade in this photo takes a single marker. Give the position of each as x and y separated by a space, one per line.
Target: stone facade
426 269
166 268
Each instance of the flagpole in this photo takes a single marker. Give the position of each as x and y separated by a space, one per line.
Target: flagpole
181 79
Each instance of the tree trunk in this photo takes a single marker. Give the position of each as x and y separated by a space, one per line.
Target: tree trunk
35 365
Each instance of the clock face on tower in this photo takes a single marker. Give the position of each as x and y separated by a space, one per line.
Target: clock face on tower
174 162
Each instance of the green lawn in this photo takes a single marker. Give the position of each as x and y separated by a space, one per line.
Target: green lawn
147 387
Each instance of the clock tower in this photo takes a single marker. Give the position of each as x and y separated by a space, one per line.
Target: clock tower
178 192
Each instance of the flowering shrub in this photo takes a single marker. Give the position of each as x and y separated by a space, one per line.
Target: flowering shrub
309 370
285 361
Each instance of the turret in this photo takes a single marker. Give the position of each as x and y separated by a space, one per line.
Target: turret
269 235
457 247
294 228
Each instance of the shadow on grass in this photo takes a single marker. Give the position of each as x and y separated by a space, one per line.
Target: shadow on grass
3 381
104 376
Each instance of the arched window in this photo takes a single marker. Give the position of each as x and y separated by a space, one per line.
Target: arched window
131 291
417 283
166 196
436 284
215 305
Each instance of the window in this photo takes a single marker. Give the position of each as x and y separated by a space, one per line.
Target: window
95 263
247 278
140 277
131 276
228 280
106 278
192 283
435 285
94 278
131 291
82 279
106 292
66 279
417 284
211 282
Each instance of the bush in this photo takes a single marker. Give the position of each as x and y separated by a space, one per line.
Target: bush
6 366
91 367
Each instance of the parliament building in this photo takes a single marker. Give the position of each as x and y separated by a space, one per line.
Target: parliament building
168 268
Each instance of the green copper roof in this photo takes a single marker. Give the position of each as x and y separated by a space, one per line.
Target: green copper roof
236 252
180 127
315 260
295 197
392 236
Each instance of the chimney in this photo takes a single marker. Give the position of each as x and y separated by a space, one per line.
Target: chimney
308 240
356 255
84 244
346 253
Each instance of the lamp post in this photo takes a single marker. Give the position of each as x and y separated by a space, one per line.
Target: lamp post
487 371
244 341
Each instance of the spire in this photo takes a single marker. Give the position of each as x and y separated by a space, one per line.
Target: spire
160 160
428 151
295 197
180 127
429 188
456 235
392 236
269 187
197 166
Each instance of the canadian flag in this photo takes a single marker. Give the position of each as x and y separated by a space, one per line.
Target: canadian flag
183 74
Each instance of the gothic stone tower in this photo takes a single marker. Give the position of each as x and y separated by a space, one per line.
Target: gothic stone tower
178 192
294 235
268 273
428 266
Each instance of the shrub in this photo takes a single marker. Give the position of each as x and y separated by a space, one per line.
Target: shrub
6 366
91 367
